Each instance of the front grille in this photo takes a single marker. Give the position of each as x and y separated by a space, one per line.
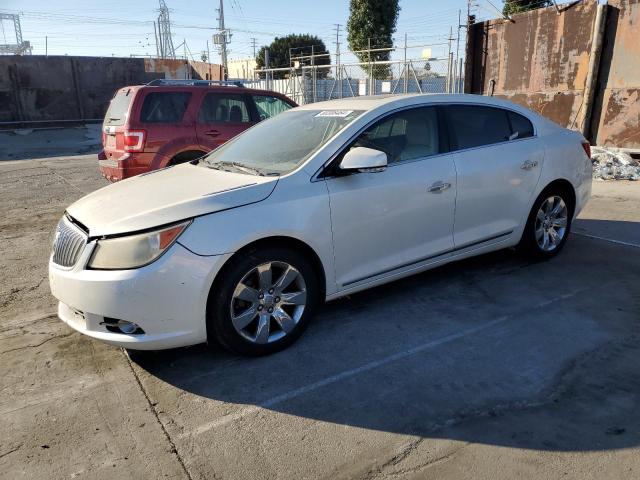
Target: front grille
68 243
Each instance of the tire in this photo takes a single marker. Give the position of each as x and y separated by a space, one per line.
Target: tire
552 209
243 295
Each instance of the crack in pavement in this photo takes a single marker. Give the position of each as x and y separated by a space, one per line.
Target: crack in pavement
4 454
28 323
153 410
37 344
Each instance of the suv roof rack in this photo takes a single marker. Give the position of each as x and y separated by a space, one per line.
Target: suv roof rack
163 81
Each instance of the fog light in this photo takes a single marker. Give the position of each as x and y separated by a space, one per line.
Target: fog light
115 325
127 327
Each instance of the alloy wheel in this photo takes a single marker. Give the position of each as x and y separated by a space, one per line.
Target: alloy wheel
551 223
268 302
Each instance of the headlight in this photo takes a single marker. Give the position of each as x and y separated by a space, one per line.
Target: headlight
134 251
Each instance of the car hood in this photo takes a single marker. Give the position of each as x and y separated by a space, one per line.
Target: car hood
166 196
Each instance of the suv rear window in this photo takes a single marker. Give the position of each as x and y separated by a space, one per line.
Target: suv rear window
164 107
118 108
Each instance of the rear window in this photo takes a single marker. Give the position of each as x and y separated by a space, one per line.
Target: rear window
118 108
164 107
475 125
521 127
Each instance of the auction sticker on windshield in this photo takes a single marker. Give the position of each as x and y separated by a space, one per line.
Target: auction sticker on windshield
334 113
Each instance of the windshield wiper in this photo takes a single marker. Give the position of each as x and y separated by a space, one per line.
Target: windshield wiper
231 166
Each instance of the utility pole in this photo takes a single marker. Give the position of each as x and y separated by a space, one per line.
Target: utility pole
253 45
338 73
313 72
405 67
449 61
266 66
457 74
222 38
46 45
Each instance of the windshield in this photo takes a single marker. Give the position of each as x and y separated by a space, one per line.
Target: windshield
280 144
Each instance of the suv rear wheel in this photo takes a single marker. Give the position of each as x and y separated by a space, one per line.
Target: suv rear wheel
263 301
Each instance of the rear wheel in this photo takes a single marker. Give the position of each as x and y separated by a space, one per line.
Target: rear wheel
548 225
263 301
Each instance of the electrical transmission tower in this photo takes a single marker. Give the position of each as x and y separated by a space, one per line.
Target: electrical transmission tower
21 47
165 40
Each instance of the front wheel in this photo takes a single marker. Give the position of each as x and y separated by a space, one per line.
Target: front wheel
263 301
548 225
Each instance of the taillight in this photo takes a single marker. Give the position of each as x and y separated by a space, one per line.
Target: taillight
134 140
587 148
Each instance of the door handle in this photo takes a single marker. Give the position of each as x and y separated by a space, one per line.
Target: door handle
529 164
439 187
212 133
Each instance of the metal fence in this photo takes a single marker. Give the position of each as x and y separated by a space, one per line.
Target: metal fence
313 83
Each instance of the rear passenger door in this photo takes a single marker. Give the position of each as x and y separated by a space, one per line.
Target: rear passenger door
221 117
498 162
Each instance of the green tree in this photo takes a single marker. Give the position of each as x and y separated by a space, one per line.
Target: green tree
517 6
302 45
372 22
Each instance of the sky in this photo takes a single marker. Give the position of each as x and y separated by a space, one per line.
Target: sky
125 27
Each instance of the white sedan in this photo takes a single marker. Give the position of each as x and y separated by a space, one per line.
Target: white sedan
318 202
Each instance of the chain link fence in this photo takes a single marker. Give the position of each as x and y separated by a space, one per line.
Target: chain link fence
314 83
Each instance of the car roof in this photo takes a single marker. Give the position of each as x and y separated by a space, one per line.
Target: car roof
388 102
371 102
216 88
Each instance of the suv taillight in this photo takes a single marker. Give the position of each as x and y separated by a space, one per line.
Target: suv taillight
587 148
134 140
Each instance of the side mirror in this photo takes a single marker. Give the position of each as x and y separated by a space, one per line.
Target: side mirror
363 159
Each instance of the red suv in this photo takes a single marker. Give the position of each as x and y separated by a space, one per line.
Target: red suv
167 122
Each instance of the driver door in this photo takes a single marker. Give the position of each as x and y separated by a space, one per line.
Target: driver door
392 220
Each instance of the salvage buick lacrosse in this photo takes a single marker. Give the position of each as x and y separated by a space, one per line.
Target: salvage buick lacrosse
241 246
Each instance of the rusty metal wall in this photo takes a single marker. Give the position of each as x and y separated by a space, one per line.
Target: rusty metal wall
617 121
540 60
55 88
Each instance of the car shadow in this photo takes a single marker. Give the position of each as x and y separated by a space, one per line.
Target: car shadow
494 349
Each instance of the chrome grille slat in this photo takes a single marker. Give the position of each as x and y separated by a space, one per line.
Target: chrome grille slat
68 244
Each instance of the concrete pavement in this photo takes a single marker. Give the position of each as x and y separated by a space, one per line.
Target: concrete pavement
494 367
